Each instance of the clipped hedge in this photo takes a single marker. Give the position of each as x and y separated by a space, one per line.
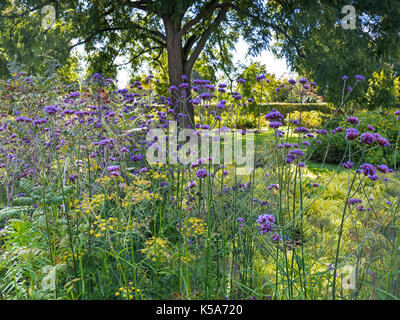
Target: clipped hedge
285 108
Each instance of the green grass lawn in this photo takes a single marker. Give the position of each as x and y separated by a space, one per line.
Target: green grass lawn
324 166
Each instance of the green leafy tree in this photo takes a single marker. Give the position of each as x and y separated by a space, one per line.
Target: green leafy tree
252 88
325 50
37 40
187 30
383 90
308 33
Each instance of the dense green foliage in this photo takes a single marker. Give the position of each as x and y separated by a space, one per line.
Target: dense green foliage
308 33
81 205
333 148
26 40
85 214
322 49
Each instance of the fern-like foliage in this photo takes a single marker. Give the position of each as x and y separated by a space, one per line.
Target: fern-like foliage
11 212
41 195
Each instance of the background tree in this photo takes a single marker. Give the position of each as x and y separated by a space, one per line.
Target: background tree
24 41
182 28
251 86
308 34
326 51
383 91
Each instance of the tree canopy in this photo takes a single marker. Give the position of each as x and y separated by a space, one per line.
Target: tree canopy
328 51
174 35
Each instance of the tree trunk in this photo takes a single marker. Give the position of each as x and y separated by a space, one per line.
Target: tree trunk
177 67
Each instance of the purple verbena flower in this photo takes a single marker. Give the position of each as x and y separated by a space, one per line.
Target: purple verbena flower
367 169
274 115
354 201
275 237
201 173
383 168
351 134
52 109
301 130
275 124
265 223
260 77
353 120
367 138
348 165
383 142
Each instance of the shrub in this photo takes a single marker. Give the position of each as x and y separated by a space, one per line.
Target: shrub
333 147
286 108
311 119
79 197
247 122
383 91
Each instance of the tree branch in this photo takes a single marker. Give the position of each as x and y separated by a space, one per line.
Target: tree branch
157 59
28 10
189 44
156 35
137 56
138 5
207 9
206 34
96 34
152 32
280 30
298 49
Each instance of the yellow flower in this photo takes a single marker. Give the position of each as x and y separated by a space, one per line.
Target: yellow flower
196 226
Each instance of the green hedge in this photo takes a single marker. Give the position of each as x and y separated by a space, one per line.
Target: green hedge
286 108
